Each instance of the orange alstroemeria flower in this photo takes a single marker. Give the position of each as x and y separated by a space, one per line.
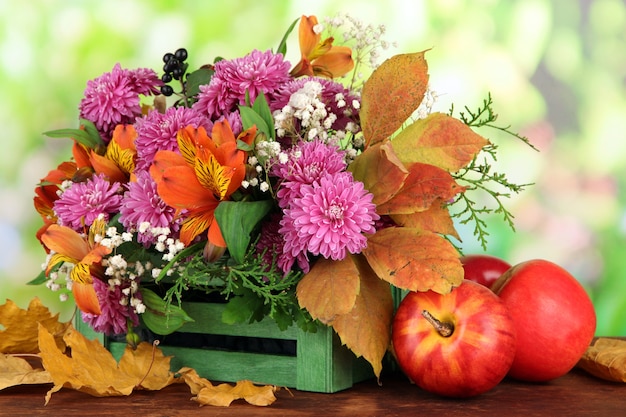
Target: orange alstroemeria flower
118 162
86 255
320 57
208 171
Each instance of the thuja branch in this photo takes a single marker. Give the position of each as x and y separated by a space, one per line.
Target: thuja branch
479 175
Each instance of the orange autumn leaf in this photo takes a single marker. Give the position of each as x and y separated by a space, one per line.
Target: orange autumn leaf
424 184
93 370
21 327
222 395
380 171
426 260
391 94
434 219
366 329
329 289
606 359
17 371
439 140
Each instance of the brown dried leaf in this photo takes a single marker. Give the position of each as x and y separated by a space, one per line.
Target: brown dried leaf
93 370
439 140
17 371
391 94
21 327
366 329
224 394
329 289
606 359
427 261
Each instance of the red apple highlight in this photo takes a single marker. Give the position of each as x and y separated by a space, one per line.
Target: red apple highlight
484 269
554 319
459 344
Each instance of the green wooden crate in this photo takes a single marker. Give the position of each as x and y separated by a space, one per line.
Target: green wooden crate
320 363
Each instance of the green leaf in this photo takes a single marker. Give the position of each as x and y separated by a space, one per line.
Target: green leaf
93 133
78 135
237 219
282 46
263 109
40 279
160 316
242 309
196 79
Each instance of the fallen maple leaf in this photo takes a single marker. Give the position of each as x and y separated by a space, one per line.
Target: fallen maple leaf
17 371
606 359
20 332
224 394
93 370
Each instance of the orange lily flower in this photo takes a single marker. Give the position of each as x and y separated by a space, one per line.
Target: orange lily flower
85 254
208 171
320 57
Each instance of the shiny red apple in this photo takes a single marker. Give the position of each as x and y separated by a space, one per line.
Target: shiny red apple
459 344
554 319
484 269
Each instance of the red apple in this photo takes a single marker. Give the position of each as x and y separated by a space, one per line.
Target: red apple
554 318
484 269
459 344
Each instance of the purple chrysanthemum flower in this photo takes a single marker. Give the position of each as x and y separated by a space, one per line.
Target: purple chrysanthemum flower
157 131
307 162
258 72
336 97
329 219
113 97
141 203
83 202
115 309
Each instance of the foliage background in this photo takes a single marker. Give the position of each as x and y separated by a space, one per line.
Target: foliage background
555 68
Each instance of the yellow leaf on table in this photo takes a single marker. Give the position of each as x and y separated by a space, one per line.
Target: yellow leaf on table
606 359
224 394
17 371
93 370
20 332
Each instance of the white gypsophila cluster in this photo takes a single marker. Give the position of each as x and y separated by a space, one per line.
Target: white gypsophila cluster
265 152
426 106
308 118
366 41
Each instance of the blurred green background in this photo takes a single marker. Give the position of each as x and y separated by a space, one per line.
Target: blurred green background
556 70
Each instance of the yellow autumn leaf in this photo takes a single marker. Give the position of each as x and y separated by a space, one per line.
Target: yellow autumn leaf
223 395
427 261
329 289
366 329
20 332
93 370
606 359
391 94
17 371
440 140
435 219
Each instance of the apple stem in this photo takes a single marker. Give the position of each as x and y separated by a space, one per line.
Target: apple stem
445 329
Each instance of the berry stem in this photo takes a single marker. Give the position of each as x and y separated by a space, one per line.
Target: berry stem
445 329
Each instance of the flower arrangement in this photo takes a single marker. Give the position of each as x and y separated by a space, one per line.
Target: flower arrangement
300 192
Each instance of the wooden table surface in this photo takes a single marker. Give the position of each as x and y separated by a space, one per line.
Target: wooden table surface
575 394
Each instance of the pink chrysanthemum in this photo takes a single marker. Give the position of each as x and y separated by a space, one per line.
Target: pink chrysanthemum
157 131
307 162
329 219
115 309
113 97
83 202
258 72
141 203
338 99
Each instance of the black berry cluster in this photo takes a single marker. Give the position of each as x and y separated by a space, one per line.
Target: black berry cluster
174 69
